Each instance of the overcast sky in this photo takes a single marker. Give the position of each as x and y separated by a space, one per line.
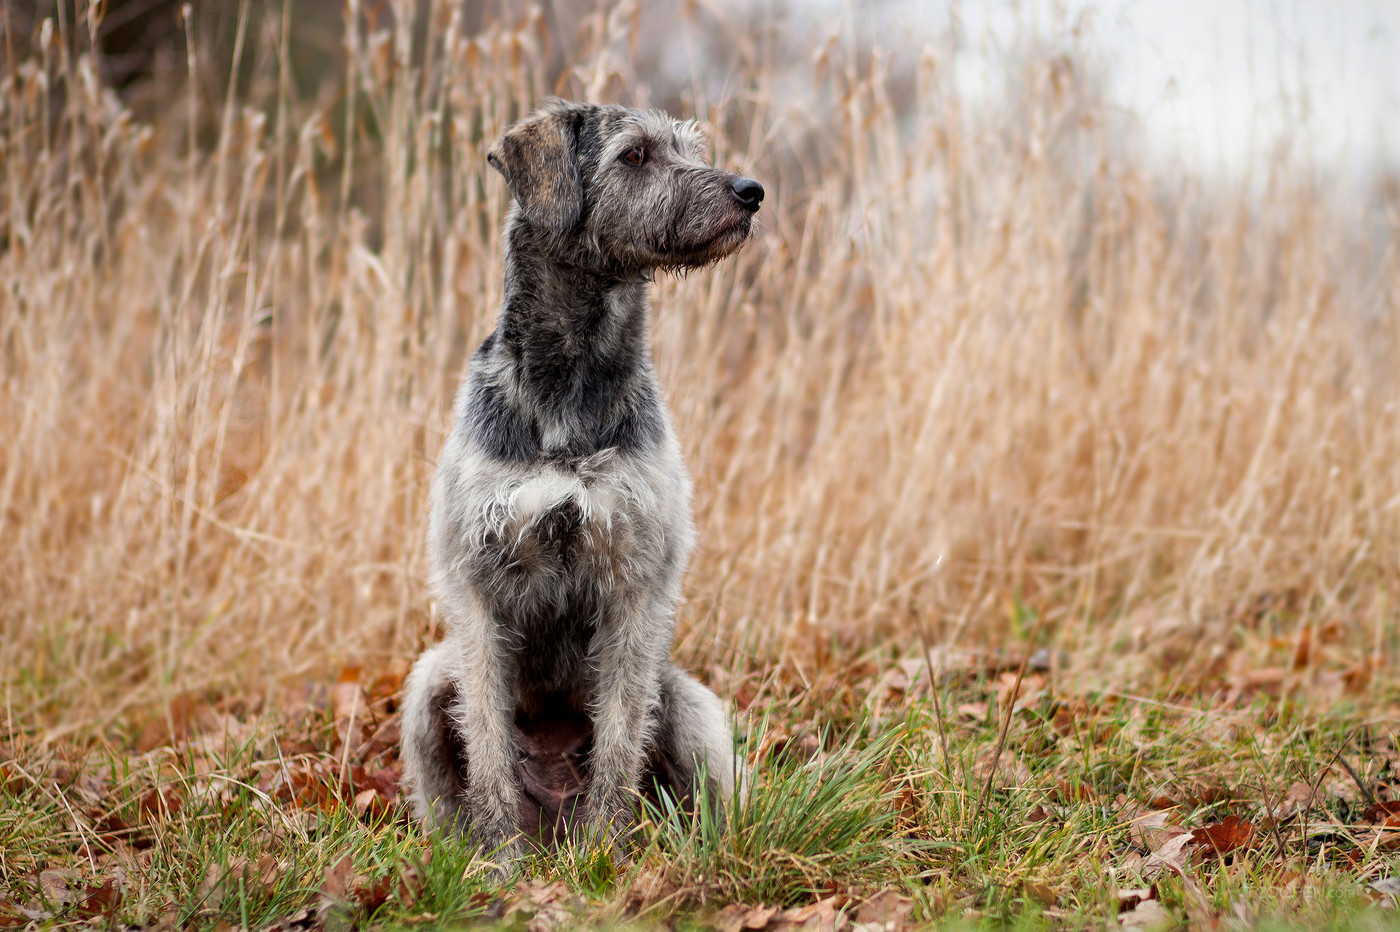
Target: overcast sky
1217 81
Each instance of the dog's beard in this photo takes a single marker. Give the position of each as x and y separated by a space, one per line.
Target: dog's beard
724 243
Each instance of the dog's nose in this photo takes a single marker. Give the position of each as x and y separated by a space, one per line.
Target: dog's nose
748 191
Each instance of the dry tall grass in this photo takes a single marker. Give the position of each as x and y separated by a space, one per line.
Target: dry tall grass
978 355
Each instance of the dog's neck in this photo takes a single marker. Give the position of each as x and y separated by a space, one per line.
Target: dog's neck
575 343
562 329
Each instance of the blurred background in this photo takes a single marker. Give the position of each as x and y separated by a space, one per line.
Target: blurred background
1216 86
1070 329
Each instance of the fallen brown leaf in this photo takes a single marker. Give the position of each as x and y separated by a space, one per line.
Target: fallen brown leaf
550 905
736 917
336 896
185 716
1147 914
388 683
1172 855
101 900
1229 834
410 884
351 713
1356 678
158 804
368 804
303 920
384 782
11 781
908 805
822 916
977 711
1032 685
1299 797
1074 792
1154 829
1011 770
385 738
886 911
1383 810
56 885
1130 898
1387 886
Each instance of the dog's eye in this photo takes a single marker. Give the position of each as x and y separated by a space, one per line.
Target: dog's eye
636 155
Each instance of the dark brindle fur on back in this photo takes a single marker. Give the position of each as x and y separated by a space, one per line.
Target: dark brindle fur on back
560 517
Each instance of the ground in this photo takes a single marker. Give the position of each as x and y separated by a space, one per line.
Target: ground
876 804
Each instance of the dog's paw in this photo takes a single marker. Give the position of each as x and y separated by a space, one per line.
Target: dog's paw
609 824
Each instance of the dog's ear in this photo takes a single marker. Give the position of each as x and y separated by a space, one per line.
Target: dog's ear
539 159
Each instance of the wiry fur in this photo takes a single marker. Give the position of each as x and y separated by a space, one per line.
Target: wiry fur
560 514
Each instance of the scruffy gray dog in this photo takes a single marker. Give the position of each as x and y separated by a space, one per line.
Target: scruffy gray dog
560 515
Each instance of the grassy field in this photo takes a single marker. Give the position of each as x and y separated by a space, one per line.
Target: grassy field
1047 497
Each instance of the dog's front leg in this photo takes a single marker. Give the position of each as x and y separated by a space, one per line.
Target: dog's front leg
484 717
627 657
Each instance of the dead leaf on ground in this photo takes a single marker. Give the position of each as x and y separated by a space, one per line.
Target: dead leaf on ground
1148 914
410 882
1299 797
908 804
307 784
800 748
1356 678
822 916
337 888
1382 838
977 711
1131 897
737 917
158 804
385 738
1229 834
1172 855
886 911
351 713
11 781
1154 829
551 905
343 892
76 776
648 887
375 791
1387 886
11 918
1383 810
303 920
223 880
101 900
57 886
185 716
387 684
1074 792
1031 687
1011 770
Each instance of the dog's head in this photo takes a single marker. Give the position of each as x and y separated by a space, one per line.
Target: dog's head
610 188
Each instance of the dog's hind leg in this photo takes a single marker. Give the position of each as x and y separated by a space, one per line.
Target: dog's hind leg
694 741
434 756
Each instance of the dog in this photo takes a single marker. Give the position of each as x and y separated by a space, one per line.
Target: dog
560 522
